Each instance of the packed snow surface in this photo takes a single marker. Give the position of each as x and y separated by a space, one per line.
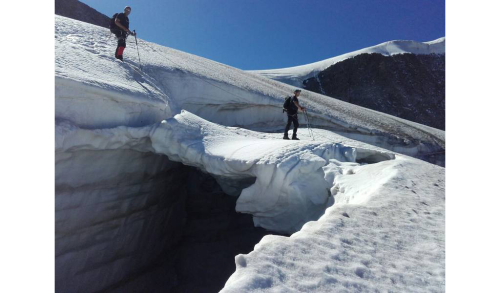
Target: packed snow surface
374 219
391 242
297 74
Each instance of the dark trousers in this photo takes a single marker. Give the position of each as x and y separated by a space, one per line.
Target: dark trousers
122 37
295 119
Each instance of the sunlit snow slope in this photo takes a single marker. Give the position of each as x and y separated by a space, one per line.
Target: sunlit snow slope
297 74
94 91
120 132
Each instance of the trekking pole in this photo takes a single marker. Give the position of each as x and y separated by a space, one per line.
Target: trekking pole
308 121
137 47
308 127
307 124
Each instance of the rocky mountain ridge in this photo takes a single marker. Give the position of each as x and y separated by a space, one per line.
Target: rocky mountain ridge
408 86
77 10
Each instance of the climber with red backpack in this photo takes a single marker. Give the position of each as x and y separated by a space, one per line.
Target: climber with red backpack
119 25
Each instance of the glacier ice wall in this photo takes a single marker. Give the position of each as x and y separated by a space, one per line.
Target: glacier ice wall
116 212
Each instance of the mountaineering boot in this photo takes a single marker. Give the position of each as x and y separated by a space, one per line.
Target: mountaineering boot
295 138
119 53
286 137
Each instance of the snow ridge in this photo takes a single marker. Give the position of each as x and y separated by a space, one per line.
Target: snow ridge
297 74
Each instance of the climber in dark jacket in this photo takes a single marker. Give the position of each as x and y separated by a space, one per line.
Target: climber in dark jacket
292 115
121 31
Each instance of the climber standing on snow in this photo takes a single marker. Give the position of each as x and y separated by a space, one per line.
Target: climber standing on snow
291 108
119 26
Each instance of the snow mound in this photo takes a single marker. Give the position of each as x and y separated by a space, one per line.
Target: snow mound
290 187
393 242
297 74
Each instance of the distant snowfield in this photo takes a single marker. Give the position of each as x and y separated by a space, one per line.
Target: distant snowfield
374 218
297 74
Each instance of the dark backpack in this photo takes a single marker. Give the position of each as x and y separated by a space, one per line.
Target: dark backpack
112 24
287 104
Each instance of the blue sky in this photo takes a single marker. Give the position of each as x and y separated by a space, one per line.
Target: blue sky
267 34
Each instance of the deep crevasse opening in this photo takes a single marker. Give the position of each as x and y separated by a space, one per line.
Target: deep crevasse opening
135 228
119 209
290 188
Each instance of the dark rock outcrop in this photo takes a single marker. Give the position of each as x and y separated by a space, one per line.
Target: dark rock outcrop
408 86
76 10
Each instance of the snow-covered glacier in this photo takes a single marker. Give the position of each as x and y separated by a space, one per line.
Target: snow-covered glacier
107 93
132 139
